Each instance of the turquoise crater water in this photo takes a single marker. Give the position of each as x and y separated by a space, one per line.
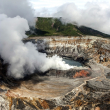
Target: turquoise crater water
72 62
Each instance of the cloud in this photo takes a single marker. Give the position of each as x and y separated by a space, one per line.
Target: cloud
90 13
13 8
39 4
96 16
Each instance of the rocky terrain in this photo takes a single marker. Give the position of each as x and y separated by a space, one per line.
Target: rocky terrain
77 48
81 88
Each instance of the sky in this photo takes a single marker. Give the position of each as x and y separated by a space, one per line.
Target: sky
52 5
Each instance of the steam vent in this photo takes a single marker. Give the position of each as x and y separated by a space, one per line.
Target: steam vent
85 87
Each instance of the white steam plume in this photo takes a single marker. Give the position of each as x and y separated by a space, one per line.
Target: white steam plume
22 8
23 58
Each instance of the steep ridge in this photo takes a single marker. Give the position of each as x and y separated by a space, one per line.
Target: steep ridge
54 27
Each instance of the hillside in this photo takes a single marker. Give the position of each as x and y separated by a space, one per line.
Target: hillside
54 27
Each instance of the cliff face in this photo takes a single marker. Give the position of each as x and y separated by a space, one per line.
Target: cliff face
63 90
87 47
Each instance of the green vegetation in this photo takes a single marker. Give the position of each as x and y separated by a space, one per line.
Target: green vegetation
54 27
89 31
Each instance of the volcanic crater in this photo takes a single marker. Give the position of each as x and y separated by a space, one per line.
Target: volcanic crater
63 89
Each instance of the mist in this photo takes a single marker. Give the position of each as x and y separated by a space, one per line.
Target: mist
22 8
23 58
15 18
94 15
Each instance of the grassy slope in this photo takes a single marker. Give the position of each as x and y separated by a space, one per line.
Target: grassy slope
54 27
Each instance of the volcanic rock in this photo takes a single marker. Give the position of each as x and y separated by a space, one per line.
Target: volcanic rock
61 90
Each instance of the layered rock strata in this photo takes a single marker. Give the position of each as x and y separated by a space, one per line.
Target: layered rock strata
77 48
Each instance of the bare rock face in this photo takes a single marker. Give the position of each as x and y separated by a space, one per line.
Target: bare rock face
78 48
86 88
